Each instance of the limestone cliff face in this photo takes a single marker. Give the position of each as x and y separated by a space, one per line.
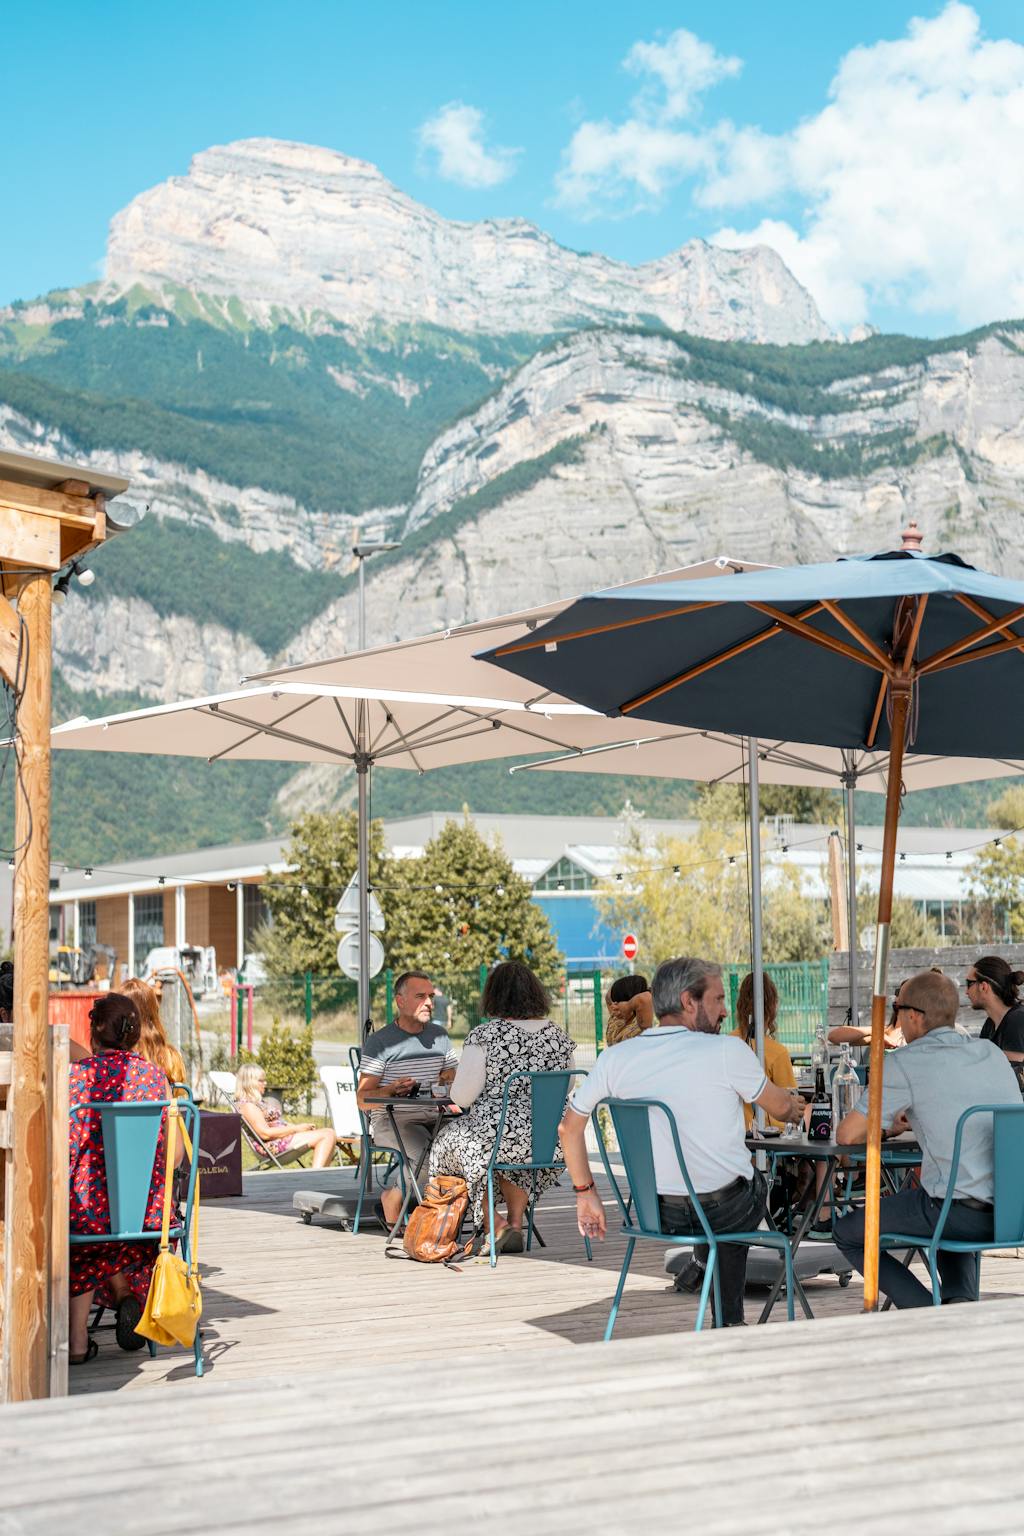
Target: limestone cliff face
278 225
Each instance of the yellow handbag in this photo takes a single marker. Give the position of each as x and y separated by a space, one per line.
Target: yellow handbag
175 1303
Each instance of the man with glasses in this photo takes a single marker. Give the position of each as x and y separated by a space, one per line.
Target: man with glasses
926 1087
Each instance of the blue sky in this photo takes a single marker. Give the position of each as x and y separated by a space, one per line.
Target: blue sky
882 155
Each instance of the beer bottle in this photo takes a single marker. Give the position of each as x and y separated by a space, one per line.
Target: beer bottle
820 1127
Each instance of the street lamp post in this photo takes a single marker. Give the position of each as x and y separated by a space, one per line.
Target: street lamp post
362 553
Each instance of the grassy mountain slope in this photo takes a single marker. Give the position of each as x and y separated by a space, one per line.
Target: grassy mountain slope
338 423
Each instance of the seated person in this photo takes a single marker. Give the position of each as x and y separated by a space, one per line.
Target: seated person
994 988
412 1053
926 1088
705 1080
518 1035
778 1064
263 1117
630 1010
121 1272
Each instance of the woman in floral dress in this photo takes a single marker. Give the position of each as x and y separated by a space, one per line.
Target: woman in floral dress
518 1036
119 1271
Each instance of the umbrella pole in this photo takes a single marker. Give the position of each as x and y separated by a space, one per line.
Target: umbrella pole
850 785
756 936
900 693
363 872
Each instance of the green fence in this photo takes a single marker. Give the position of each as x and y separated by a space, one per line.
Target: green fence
802 986
577 1000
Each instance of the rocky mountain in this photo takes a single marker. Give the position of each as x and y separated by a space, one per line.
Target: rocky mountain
278 226
287 350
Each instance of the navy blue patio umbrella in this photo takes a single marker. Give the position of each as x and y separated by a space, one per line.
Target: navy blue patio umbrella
896 651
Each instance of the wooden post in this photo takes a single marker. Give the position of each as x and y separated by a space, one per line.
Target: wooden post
28 1221
879 1001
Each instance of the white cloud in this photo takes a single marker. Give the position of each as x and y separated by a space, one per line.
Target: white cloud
455 135
631 165
909 180
912 178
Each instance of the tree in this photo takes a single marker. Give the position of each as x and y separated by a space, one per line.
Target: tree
1007 809
909 927
462 906
322 859
704 908
996 878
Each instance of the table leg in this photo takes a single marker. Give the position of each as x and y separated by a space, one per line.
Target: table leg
809 1218
413 1171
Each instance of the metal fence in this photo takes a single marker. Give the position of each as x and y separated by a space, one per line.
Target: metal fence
802 986
577 1001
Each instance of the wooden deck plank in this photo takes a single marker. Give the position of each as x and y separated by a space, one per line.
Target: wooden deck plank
324 1356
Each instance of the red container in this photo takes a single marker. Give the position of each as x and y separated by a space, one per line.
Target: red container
73 1009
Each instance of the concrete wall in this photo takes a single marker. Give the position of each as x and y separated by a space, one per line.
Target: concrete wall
952 961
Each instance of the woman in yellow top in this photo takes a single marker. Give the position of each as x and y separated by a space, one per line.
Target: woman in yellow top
778 1065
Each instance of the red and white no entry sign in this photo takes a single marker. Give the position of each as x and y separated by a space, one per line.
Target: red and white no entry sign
630 946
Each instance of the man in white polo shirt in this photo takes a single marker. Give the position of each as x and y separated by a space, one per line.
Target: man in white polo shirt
705 1079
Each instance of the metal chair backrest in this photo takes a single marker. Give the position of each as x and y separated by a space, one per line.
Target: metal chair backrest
340 1088
548 1093
130 1133
355 1057
1008 1165
632 1121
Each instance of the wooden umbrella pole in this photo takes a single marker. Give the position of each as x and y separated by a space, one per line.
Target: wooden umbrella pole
900 688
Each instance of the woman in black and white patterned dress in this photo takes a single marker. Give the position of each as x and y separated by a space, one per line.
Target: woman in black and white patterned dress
518 1036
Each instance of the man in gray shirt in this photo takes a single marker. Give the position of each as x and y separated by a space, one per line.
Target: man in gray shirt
403 1061
926 1088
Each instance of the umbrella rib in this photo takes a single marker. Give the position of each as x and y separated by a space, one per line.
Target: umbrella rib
402 738
843 618
876 717
1001 648
712 661
603 629
217 712
344 720
936 662
273 731
804 631
915 635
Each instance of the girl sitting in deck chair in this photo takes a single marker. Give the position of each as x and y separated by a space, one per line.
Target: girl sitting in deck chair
266 1124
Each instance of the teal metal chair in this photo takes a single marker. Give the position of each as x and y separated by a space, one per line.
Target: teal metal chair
367 1152
130 1134
548 1094
1008 1194
641 1216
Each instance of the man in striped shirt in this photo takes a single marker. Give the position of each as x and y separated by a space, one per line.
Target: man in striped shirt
403 1061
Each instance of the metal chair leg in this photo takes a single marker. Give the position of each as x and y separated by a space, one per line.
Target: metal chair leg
710 1279
613 1314
490 1216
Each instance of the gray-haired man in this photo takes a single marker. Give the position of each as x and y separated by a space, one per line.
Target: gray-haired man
705 1079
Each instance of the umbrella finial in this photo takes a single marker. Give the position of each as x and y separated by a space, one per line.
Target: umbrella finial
912 537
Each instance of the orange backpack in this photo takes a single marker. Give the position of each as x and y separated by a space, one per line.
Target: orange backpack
432 1231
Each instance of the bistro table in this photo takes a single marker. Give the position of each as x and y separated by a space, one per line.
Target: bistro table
443 1110
898 1153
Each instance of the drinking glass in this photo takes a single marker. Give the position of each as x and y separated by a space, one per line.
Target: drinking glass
439 1090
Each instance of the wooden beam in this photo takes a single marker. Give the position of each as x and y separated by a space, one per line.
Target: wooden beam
27 1339
853 628
29 498
60 1268
877 715
10 646
29 538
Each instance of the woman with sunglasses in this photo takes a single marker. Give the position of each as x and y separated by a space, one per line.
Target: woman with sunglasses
994 989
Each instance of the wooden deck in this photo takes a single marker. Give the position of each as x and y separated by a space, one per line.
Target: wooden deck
346 1392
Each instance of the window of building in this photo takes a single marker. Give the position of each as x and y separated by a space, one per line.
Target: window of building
565 876
255 913
149 928
86 923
